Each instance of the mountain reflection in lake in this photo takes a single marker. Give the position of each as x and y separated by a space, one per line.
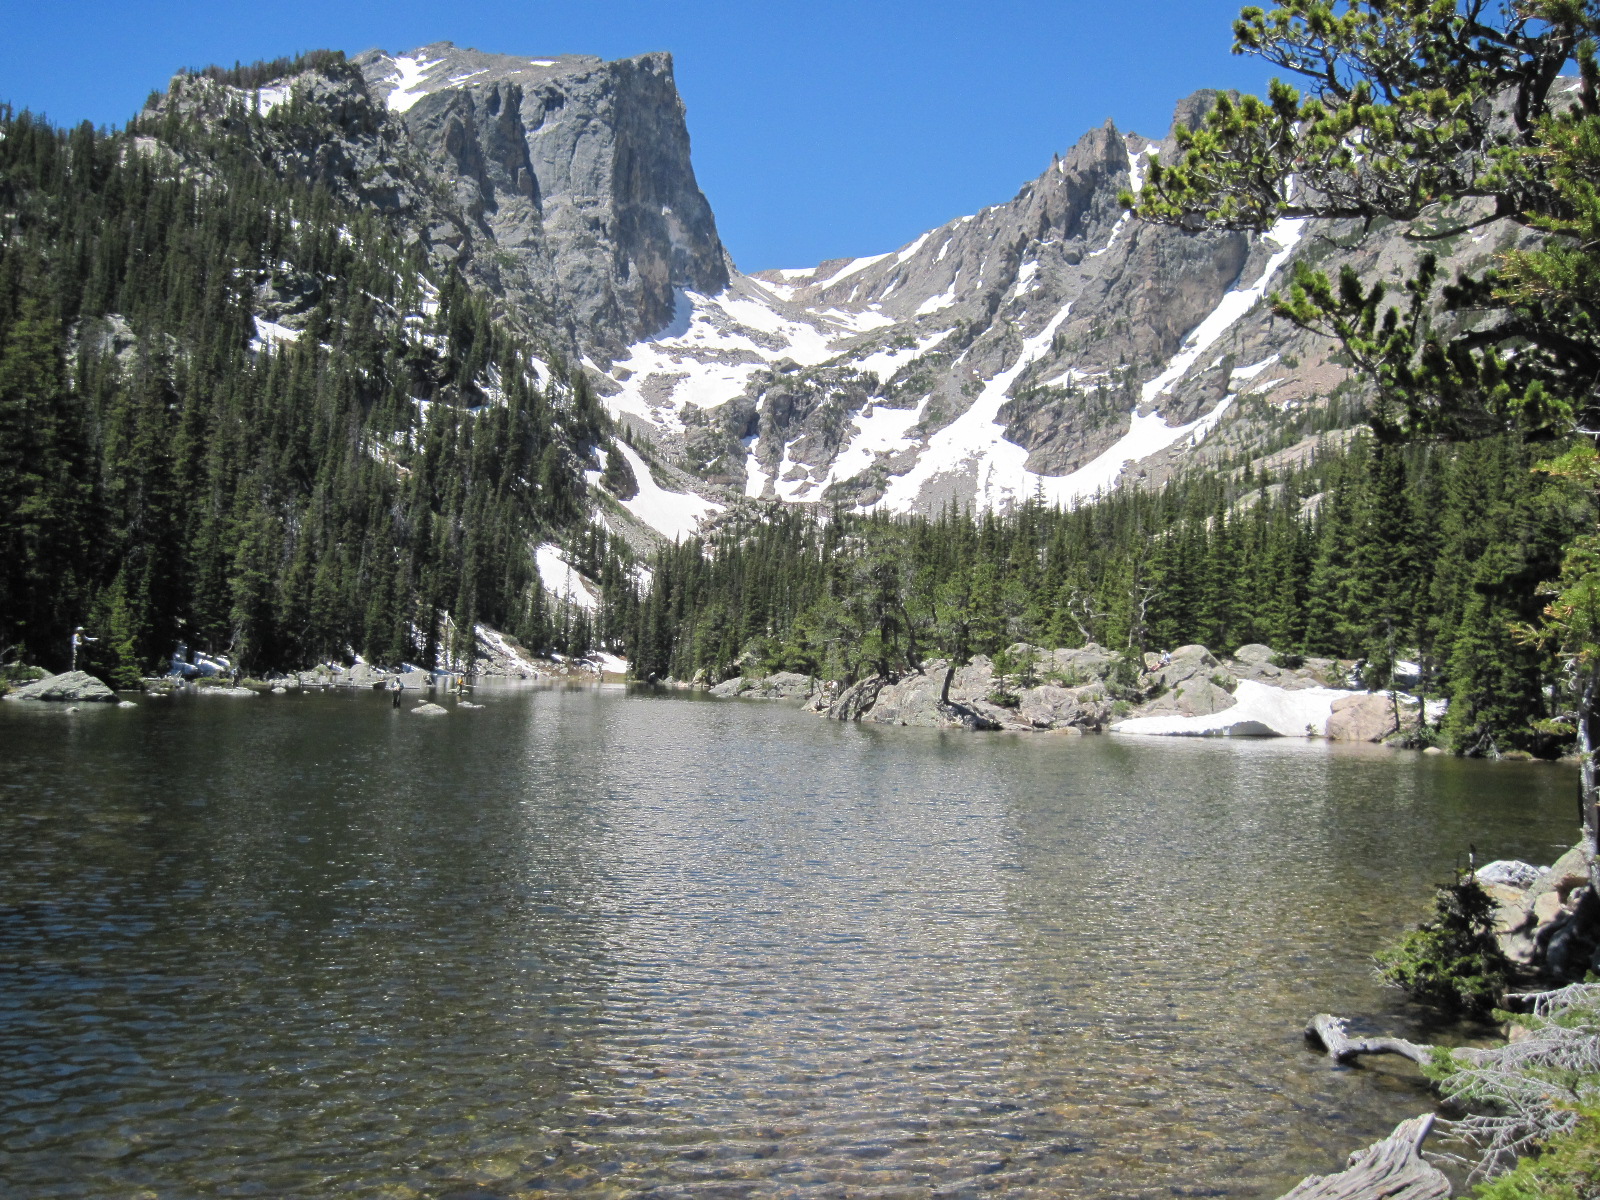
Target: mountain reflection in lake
592 943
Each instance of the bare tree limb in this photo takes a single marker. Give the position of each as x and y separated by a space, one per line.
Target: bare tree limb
1392 1169
1327 1031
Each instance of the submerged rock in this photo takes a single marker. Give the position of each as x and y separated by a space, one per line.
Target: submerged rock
68 687
429 709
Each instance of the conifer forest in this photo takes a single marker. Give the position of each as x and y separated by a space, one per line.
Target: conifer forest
169 476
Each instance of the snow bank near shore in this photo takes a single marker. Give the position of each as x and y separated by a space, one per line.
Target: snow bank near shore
1258 711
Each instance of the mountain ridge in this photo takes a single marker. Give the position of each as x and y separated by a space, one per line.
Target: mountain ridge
1047 346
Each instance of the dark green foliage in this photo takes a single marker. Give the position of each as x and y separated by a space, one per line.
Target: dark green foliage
1424 550
1566 1167
166 477
1452 961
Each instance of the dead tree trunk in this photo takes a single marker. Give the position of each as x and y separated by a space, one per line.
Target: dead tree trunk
1392 1169
1327 1031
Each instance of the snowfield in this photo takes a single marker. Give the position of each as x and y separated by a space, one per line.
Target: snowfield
561 581
715 346
1259 710
676 515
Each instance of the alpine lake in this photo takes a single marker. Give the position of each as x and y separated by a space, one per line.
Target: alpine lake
594 942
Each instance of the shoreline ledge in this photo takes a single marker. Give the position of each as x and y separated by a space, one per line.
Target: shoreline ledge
1188 692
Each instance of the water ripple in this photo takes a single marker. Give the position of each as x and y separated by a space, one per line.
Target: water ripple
592 944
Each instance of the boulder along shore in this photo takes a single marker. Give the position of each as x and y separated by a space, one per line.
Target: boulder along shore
1188 692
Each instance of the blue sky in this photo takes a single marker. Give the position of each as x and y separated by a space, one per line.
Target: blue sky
821 130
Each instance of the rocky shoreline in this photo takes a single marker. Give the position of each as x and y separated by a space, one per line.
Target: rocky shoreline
500 660
1546 918
1188 692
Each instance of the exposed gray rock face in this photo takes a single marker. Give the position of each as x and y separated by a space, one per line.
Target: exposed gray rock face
785 685
856 700
915 698
1050 344
1509 872
573 175
1183 664
562 184
1550 921
76 687
1259 663
1047 345
1198 696
1090 689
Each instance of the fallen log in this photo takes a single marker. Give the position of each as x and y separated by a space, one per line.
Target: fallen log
1327 1031
1392 1169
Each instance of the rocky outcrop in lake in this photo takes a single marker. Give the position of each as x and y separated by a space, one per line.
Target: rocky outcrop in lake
70 687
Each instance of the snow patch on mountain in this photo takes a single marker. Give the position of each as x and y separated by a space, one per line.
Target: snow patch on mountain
710 351
975 442
1285 234
270 333
879 430
676 515
561 581
854 266
1147 434
884 363
412 86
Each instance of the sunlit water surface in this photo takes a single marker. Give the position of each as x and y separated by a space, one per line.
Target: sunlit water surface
591 943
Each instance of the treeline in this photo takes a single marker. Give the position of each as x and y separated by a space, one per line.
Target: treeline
374 454
1371 552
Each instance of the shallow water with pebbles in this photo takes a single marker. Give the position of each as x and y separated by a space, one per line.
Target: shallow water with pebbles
595 943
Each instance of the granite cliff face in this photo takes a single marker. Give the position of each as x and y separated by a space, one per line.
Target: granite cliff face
573 177
1031 347
562 185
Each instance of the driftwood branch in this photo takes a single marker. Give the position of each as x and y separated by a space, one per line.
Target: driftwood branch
1392 1169
1327 1031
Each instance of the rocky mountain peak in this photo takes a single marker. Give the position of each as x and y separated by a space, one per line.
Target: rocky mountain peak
562 184
1049 345
573 171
